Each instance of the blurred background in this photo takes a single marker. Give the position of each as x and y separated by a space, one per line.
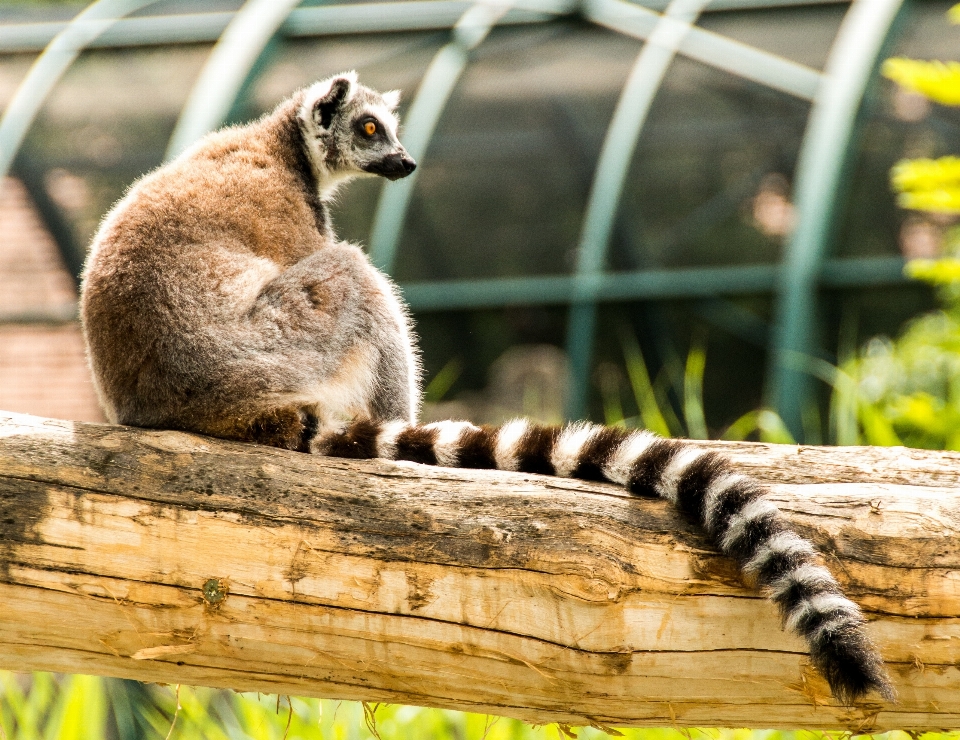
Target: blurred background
693 231
541 236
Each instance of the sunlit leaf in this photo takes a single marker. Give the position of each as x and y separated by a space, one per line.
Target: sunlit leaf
81 705
928 184
643 391
877 428
443 381
937 272
926 174
939 81
693 413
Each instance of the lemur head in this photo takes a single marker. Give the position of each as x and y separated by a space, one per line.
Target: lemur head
351 130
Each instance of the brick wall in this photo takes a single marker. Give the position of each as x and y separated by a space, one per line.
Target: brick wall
42 366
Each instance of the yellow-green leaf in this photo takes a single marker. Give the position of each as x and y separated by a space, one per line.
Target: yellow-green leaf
939 81
926 174
929 184
877 429
940 201
939 271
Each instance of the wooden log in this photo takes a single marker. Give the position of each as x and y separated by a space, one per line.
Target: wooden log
164 556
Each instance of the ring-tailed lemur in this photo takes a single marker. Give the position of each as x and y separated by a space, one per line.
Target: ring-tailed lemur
216 299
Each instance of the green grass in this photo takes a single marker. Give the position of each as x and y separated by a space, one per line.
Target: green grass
56 707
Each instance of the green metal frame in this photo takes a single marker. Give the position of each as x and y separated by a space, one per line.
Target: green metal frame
405 15
711 49
50 66
616 156
825 152
227 70
421 121
424 115
642 285
837 95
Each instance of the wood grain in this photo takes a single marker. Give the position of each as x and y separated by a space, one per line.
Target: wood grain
169 557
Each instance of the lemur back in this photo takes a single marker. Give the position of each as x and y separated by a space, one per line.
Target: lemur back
217 299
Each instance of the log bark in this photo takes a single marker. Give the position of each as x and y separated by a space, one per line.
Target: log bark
169 557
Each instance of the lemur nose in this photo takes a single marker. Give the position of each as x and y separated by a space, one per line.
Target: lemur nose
408 165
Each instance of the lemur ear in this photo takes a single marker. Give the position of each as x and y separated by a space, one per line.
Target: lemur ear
391 98
326 106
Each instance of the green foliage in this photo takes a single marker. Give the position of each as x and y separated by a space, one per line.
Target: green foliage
907 390
693 391
929 184
901 391
766 423
443 381
651 416
652 399
939 81
936 80
656 411
44 706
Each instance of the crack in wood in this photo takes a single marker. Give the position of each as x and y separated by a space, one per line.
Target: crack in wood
464 589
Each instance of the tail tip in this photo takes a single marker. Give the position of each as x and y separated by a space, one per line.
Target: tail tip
852 688
853 666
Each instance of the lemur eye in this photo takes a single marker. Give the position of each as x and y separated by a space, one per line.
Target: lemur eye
370 128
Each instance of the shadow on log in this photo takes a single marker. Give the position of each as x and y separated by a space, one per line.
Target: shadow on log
169 557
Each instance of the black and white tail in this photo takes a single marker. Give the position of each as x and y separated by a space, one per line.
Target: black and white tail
732 508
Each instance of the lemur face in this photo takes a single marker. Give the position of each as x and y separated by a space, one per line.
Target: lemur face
351 130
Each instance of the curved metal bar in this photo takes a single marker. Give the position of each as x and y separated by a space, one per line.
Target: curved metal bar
50 66
711 48
227 69
642 285
328 20
432 96
608 180
825 151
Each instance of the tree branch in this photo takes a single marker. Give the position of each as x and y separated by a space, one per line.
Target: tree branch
169 557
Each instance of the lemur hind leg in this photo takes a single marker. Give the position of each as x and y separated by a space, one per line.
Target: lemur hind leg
335 313
351 311
396 394
286 427
319 304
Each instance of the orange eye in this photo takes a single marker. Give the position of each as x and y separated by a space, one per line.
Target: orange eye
370 128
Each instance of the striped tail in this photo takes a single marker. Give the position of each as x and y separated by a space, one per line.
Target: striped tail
732 508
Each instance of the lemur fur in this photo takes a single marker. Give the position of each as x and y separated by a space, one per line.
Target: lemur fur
217 299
